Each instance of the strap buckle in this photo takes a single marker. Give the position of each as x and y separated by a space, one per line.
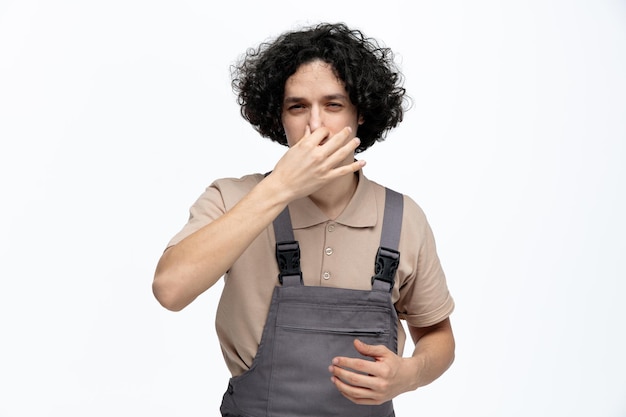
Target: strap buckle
387 261
288 258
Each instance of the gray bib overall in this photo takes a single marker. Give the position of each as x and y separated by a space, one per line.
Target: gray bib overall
307 326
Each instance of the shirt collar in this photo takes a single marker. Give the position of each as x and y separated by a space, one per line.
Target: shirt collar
361 211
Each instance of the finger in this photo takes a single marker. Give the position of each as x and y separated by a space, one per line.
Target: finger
317 137
339 139
373 351
356 394
337 157
321 138
312 139
350 377
349 168
341 365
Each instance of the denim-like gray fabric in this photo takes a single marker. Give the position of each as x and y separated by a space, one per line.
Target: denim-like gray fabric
306 327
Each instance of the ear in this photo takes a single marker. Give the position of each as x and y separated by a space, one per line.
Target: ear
361 120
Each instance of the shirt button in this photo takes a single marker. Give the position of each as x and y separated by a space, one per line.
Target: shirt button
329 251
326 275
331 227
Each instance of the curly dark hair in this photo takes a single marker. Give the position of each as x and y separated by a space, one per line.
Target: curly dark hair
368 71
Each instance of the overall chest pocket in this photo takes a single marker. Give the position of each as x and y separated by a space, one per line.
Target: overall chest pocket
358 320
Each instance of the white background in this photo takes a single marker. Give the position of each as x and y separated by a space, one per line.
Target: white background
115 115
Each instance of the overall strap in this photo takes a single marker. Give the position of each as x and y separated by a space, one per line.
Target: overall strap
287 251
388 257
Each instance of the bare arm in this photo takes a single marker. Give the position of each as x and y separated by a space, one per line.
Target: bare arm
196 263
434 351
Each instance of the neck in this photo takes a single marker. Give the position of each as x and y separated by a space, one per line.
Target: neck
333 198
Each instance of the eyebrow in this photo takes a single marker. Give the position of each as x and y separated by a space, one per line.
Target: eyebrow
294 99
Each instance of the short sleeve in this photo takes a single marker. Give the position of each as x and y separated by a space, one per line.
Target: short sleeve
424 298
216 199
208 207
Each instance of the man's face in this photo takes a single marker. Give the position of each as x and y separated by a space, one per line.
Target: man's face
315 97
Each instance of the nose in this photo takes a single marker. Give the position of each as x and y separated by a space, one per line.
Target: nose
315 118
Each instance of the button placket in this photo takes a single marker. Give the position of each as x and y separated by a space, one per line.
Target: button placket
327 262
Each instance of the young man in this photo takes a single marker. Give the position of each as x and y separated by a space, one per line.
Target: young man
315 282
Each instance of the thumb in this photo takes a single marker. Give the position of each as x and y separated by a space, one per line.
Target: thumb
373 351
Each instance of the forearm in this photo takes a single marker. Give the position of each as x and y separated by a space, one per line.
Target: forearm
190 267
433 354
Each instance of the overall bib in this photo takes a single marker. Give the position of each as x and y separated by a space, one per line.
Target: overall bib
307 326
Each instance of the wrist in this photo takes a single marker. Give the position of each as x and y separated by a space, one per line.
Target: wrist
414 366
